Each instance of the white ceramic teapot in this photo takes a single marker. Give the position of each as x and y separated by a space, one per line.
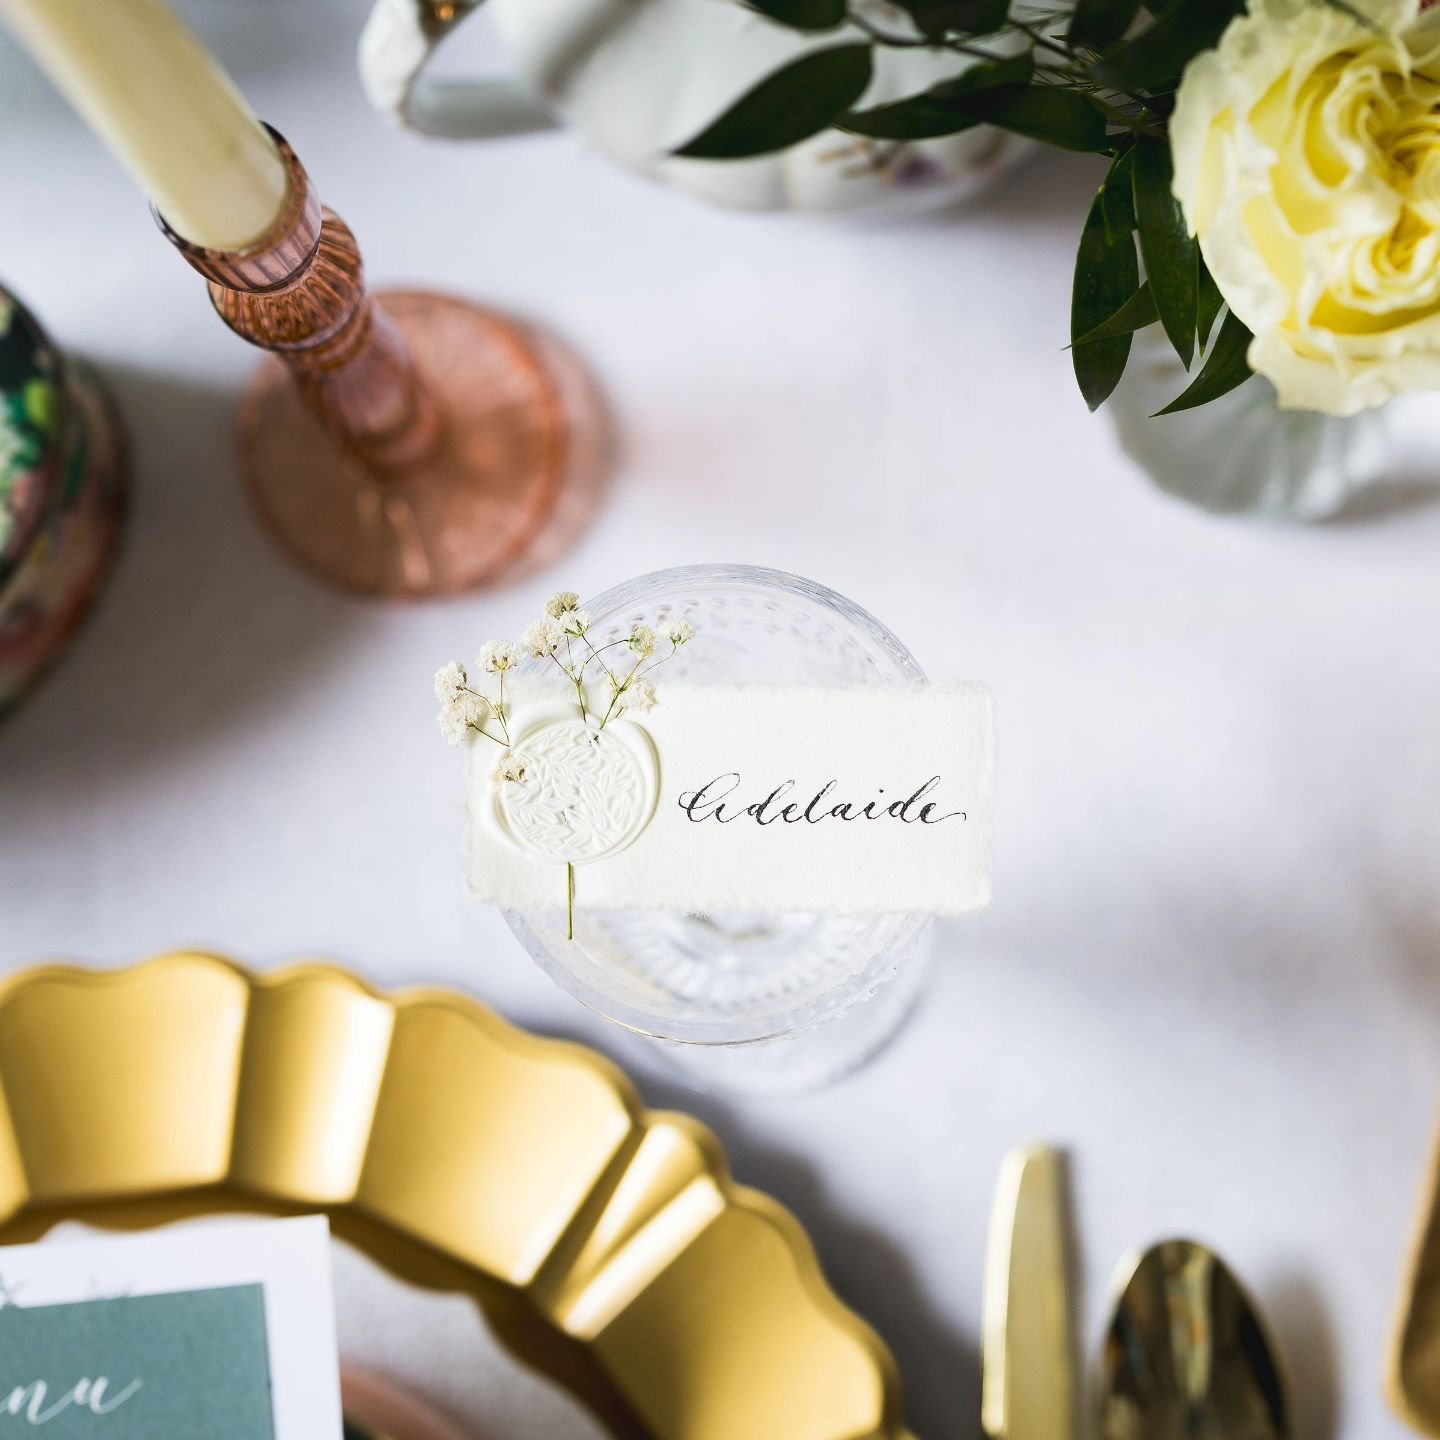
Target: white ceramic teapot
637 78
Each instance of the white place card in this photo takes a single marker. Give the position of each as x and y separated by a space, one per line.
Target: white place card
215 1331
742 799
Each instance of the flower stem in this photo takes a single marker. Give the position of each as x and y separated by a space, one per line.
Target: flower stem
481 730
569 900
595 654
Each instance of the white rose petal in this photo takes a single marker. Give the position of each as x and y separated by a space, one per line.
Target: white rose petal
1307 160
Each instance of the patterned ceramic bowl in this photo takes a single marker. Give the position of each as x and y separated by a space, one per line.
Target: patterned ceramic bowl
62 484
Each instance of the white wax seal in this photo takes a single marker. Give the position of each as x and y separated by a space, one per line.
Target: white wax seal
586 793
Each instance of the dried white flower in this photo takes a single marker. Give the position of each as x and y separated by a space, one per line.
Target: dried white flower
509 769
542 639
463 711
474 709
638 695
450 680
497 656
453 725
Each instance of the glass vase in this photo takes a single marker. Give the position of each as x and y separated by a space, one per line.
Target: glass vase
1242 454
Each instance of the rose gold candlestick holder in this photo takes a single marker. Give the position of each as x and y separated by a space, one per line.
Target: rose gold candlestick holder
408 444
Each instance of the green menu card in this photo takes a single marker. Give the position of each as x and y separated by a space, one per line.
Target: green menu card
193 1365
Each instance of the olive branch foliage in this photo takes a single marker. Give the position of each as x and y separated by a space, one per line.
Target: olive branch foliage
1097 77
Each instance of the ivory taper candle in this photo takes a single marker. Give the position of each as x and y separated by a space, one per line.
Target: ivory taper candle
152 92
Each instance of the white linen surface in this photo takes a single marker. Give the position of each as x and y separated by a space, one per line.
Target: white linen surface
1209 967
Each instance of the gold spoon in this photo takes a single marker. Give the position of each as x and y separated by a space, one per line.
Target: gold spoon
1186 1356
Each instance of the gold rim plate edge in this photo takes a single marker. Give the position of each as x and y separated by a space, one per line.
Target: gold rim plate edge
608 1243
1413 1370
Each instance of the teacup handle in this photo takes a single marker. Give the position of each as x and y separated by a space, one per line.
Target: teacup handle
395 47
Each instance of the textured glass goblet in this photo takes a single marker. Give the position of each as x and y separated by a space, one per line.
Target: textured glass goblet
757 1002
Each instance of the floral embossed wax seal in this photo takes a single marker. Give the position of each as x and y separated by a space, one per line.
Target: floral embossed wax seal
585 795
576 786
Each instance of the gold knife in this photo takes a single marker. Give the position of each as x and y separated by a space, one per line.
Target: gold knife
1027 1388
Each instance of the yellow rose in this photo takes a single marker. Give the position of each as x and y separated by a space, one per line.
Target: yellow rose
1307 161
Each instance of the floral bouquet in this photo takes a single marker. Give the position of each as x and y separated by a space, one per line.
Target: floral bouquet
1273 194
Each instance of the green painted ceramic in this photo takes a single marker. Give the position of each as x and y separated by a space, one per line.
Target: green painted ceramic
62 491
31 431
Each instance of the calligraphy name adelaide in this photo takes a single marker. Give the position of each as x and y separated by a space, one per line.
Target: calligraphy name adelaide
715 801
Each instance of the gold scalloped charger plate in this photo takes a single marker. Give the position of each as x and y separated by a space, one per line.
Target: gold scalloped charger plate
607 1244
1414 1360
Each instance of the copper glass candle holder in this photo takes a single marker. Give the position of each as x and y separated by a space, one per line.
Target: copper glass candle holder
406 444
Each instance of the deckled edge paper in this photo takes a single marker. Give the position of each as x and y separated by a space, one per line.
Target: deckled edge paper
921 760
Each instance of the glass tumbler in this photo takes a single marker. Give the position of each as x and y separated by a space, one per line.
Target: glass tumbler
761 1003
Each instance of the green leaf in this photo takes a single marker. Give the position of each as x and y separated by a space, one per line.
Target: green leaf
1154 59
1098 23
971 17
1048 113
918 118
1119 194
990 75
1170 252
934 111
1209 302
1225 368
791 105
1107 274
1135 314
803 14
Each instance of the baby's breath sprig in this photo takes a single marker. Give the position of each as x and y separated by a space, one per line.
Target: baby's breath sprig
463 708
561 635
566 627
633 691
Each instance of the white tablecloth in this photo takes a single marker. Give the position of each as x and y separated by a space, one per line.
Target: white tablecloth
1210 965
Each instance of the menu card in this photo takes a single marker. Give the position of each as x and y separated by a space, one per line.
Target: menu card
222 1331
